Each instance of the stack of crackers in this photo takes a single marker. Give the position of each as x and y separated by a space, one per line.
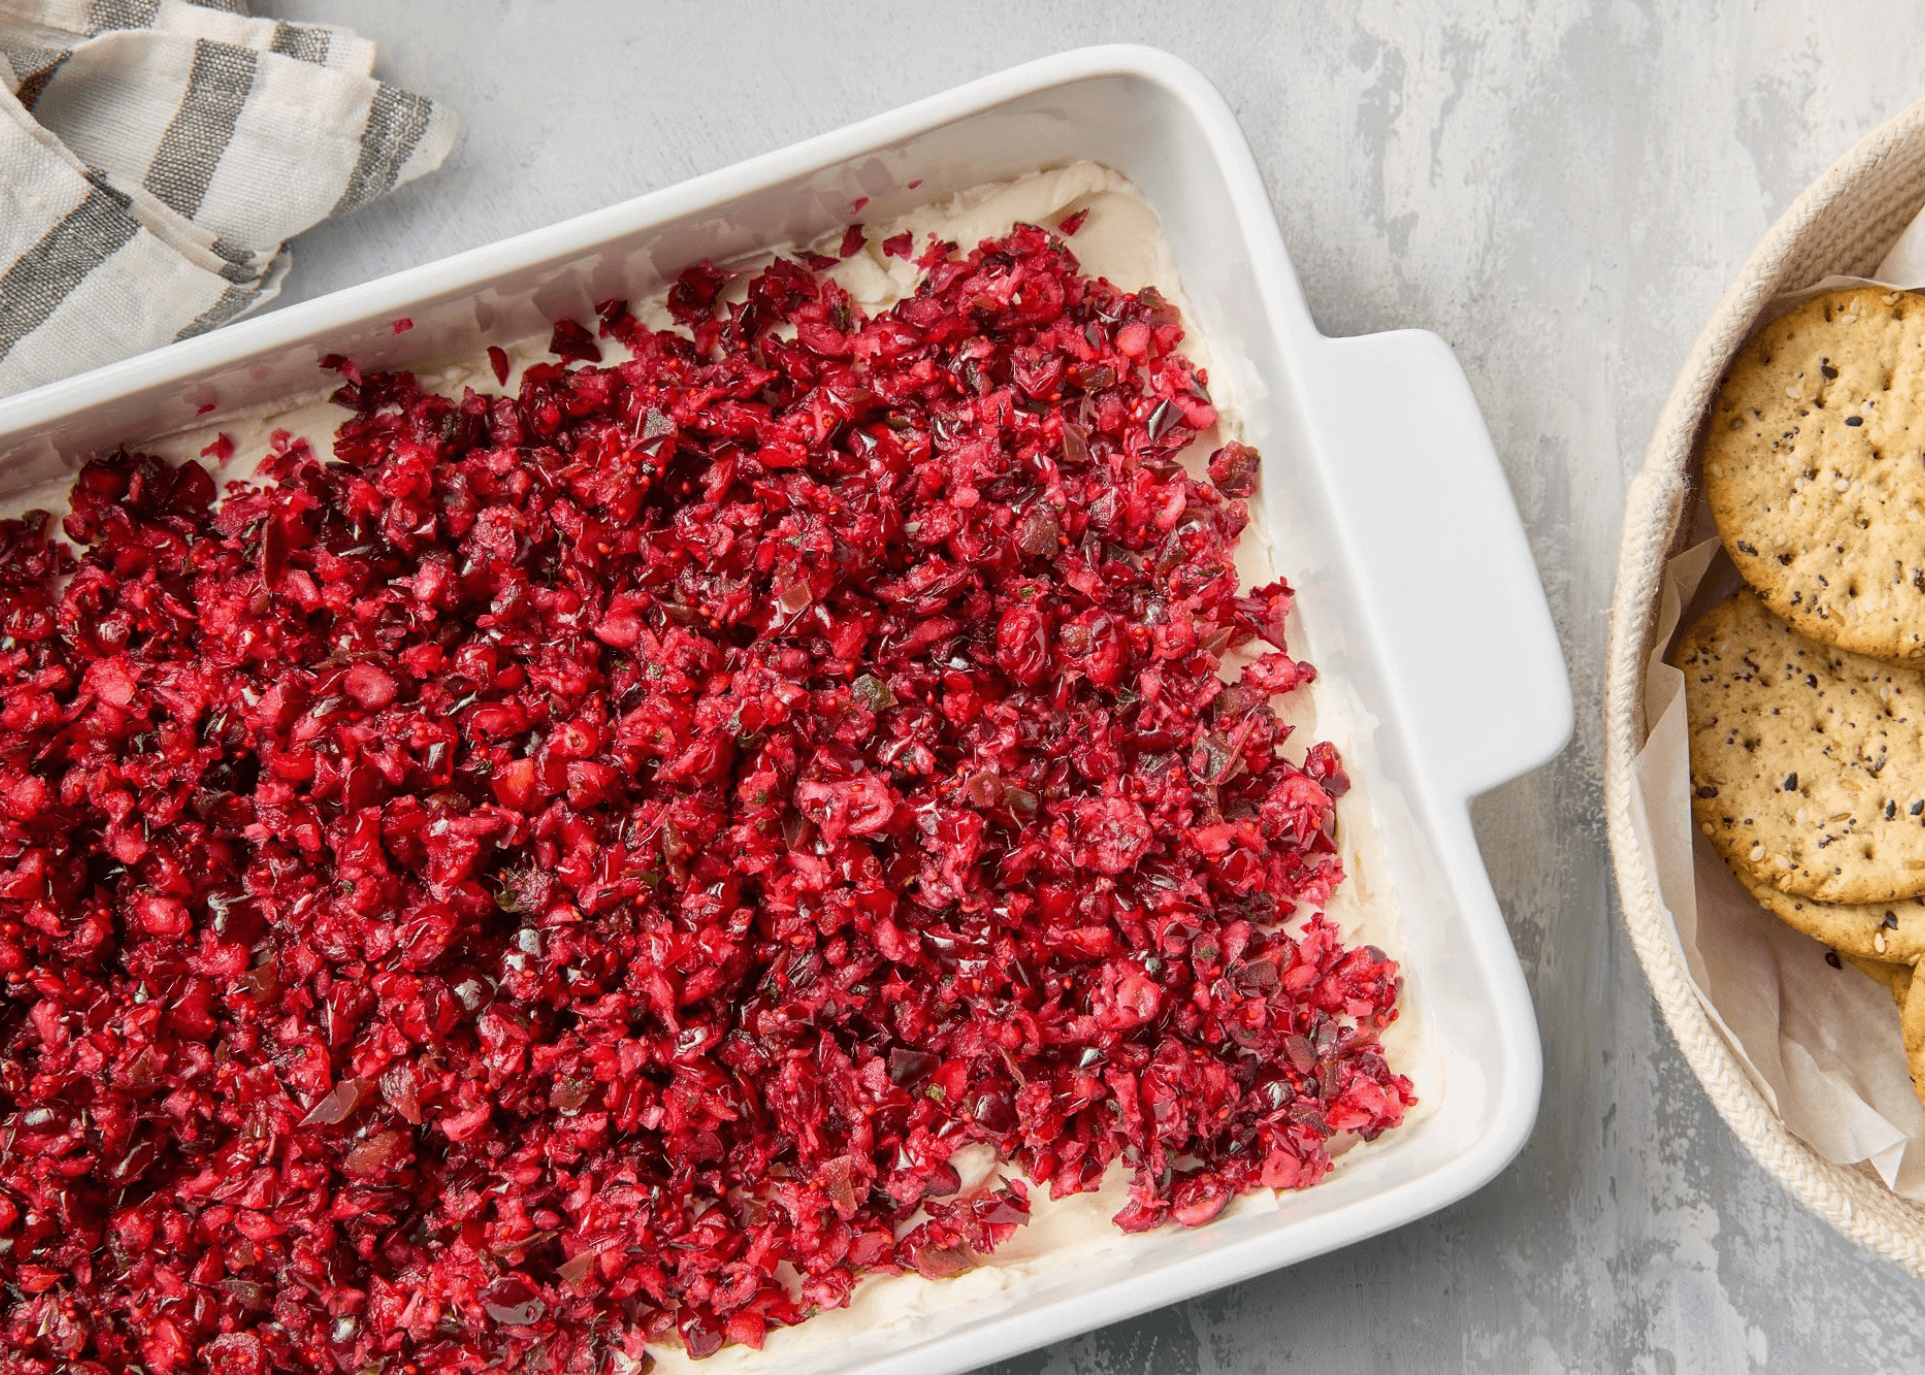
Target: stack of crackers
1806 701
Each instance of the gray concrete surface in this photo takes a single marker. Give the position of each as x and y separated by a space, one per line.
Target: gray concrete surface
1559 189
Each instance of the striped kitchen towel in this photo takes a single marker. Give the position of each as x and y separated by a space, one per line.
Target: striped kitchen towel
156 156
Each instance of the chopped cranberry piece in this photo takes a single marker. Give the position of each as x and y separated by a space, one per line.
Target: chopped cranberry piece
1233 469
572 342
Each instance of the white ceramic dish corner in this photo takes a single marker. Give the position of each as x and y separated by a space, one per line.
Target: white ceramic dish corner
1382 497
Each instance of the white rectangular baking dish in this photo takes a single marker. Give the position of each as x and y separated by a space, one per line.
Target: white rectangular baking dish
1381 496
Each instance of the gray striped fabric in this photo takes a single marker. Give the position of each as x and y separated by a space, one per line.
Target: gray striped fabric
302 41
122 14
58 263
157 156
33 67
396 122
203 126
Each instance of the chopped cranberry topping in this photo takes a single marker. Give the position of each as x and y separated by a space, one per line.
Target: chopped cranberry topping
573 868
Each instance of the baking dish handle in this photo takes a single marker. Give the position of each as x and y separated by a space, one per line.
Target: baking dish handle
1451 590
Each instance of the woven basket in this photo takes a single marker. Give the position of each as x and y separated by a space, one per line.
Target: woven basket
1843 223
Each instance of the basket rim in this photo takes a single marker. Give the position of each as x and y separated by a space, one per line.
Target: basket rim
1853 1200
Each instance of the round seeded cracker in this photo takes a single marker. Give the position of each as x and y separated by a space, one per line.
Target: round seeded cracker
1814 469
1807 762
1871 931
